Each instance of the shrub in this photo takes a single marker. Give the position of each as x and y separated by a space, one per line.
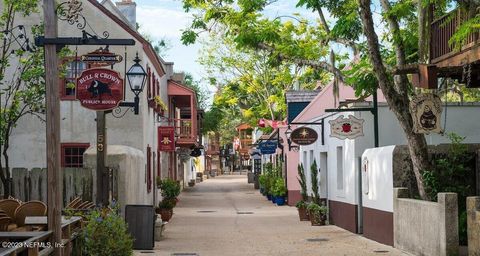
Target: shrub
301 204
314 177
167 203
279 188
106 234
170 188
317 210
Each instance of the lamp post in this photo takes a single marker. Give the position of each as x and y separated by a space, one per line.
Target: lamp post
288 133
136 76
136 79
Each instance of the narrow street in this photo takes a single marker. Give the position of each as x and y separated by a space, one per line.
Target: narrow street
226 216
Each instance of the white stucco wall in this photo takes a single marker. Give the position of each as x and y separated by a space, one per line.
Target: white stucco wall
377 178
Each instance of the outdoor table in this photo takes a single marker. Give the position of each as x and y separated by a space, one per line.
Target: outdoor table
42 220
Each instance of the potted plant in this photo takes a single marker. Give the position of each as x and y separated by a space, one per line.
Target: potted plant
158 181
191 183
302 210
262 181
279 191
165 208
170 188
302 204
317 214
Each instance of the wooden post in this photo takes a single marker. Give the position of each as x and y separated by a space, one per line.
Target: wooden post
102 175
54 175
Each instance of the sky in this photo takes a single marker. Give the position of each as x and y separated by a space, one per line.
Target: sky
166 19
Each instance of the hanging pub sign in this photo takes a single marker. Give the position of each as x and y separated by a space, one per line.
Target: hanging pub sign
268 147
101 58
99 89
426 112
346 128
166 138
303 136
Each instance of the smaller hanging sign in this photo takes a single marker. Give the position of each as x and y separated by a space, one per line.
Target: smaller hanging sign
99 89
426 112
268 147
304 136
101 58
166 138
346 128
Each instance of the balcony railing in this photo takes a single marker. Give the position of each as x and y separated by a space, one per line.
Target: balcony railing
184 128
442 31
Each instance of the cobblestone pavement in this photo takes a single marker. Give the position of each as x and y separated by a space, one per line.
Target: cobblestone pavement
226 216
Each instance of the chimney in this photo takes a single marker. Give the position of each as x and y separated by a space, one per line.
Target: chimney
129 9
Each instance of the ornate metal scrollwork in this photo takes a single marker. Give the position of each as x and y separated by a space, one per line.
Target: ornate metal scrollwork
118 112
71 12
19 35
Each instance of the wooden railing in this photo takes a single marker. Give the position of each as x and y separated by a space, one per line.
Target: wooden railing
184 128
443 29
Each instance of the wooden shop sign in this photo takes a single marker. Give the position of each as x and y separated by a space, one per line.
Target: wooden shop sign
99 89
166 138
101 58
304 136
346 128
426 112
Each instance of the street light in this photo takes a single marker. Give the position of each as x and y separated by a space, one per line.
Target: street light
136 76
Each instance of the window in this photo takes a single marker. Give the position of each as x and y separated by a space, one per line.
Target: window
339 168
73 69
72 154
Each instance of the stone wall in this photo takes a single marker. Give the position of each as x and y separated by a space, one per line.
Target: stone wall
425 228
473 223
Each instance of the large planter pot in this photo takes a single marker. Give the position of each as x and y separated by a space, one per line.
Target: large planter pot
280 200
317 220
166 214
273 199
303 214
191 183
262 191
269 197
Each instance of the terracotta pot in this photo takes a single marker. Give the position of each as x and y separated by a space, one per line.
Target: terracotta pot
166 214
303 214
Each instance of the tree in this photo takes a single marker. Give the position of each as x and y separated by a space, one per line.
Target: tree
370 59
21 79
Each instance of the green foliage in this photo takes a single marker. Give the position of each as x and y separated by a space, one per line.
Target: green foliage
453 172
317 209
279 188
314 179
106 234
167 203
301 204
303 182
170 188
262 180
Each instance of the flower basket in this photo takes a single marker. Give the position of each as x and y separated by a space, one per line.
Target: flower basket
166 214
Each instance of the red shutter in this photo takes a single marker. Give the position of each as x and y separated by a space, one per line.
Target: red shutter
149 169
149 75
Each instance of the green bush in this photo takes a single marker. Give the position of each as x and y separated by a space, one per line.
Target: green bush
301 204
170 188
316 209
314 178
453 172
167 203
278 188
106 234
262 179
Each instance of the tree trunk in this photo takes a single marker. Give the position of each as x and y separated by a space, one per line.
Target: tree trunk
399 104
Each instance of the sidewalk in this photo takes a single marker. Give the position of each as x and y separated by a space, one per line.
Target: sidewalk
226 216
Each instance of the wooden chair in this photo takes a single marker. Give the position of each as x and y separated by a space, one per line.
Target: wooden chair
83 205
90 205
74 203
31 208
9 206
4 223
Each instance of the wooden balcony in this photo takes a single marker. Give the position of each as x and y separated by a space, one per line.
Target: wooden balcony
441 53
